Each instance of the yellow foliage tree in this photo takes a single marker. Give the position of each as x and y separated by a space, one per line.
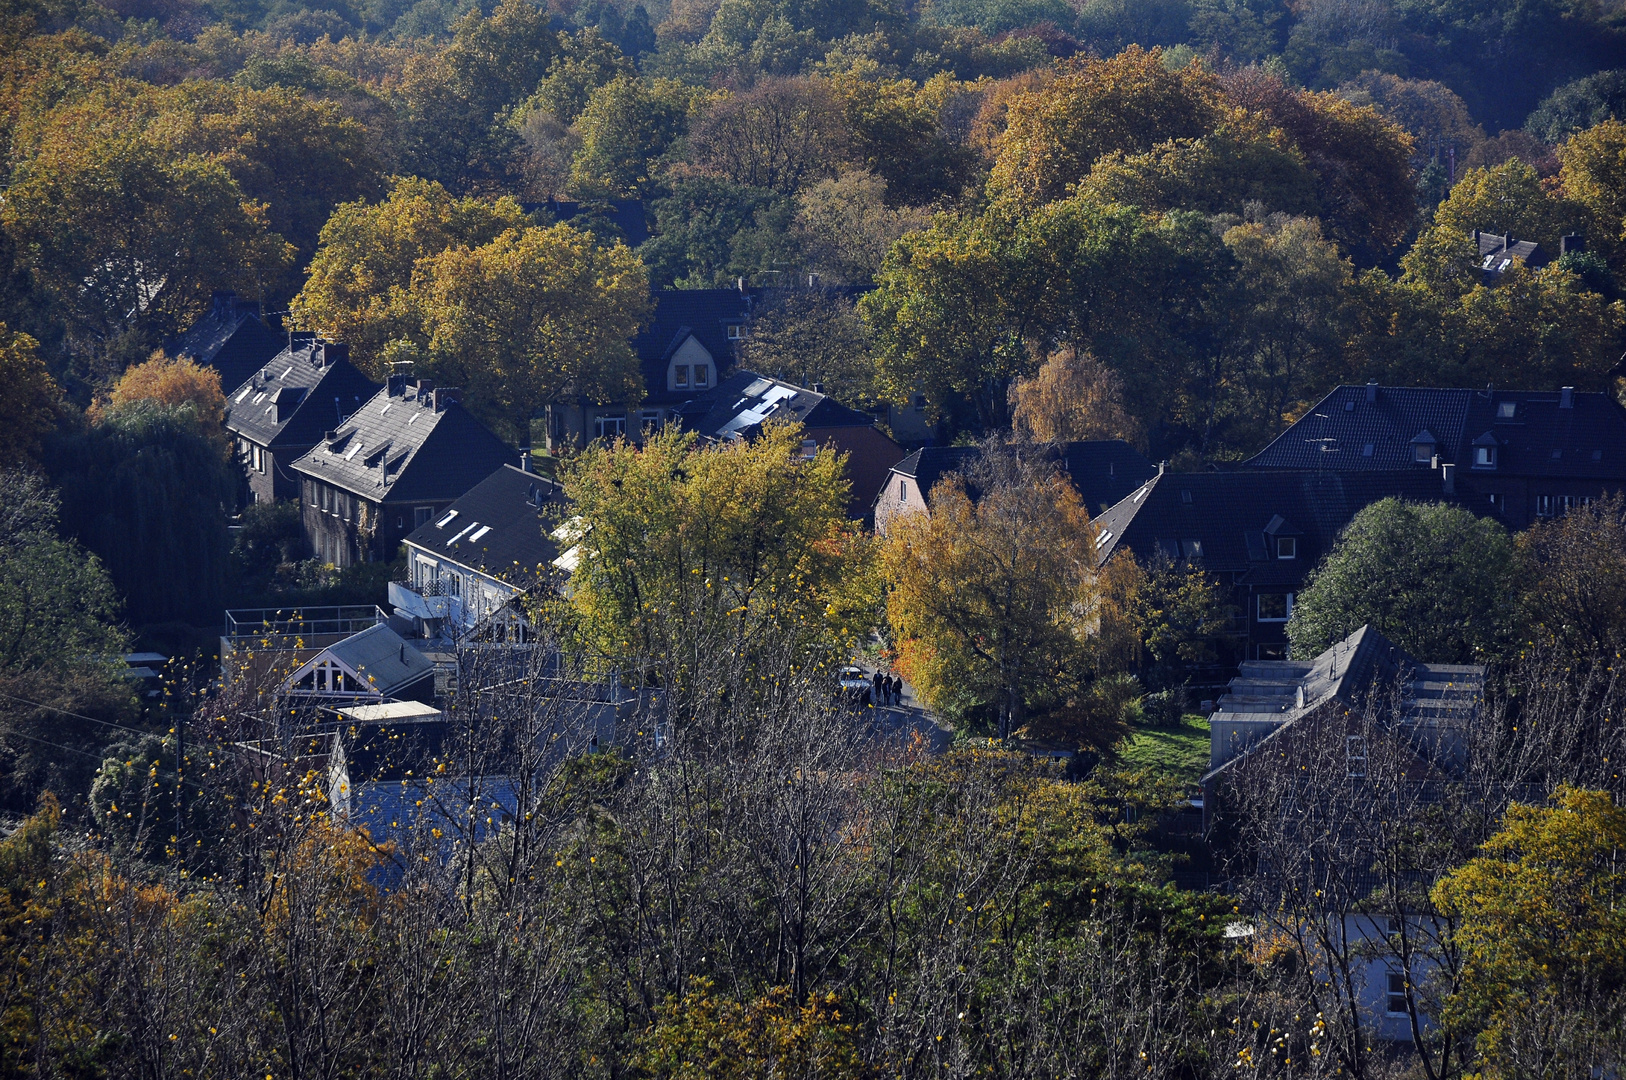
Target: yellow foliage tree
1073 397
700 1036
29 408
1593 173
178 384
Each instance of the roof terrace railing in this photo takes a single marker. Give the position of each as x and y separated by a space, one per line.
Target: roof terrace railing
312 622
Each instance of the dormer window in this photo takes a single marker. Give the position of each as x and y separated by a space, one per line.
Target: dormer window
1505 410
680 375
1422 452
733 332
1287 547
702 375
1484 457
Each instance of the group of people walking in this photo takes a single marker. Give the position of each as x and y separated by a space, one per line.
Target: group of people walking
886 690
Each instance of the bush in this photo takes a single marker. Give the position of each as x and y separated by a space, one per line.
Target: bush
1166 708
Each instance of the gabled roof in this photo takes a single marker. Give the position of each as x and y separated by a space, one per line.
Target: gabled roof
739 405
1361 428
1226 514
377 657
1499 251
678 313
1103 471
499 528
413 445
230 337
1282 691
304 390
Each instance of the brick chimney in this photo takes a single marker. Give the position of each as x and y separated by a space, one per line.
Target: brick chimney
396 385
1371 392
1448 477
1573 242
443 396
333 351
1566 397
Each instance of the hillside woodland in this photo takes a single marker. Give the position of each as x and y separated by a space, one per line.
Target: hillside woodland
1176 222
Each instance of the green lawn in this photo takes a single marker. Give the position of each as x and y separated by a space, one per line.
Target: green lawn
1181 752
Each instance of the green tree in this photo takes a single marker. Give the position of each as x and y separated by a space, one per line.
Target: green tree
628 124
1437 581
846 227
1575 578
1224 171
1540 923
586 61
808 338
532 317
782 134
1179 614
1572 108
148 490
685 549
359 289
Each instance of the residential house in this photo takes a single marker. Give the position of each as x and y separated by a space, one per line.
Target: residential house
689 344
1520 455
1259 532
230 337
1308 728
371 666
468 564
281 409
624 216
1103 472
404 457
744 401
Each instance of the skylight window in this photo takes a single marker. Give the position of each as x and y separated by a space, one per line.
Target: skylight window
287 373
352 451
447 520
1506 409
386 408
247 390
470 527
481 531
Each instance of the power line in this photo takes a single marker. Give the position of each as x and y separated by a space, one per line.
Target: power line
59 746
76 716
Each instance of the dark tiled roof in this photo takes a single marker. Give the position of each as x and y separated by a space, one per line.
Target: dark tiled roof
403 448
381 656
1103 471
499 528
627 215
302 392
705 313
1348 433
1498 251
1227 514
741 402
230 338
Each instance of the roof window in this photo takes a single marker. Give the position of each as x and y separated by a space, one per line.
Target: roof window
1505 410
477 533
447 520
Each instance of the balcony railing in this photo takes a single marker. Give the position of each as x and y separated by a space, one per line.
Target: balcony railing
244 624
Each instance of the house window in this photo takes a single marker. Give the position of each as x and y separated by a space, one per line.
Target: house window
1185 496
1275 607
420 516
1394 1001
920 401
1506 409
1287 547
1272 651
680 375
1544 506
650 419
1355 756
1191 549
610 427
903 491
1485 457
734 332
259 459
1422 452
810 447
1498 502
702 374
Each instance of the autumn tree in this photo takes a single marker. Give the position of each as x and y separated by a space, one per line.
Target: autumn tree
686 547
1432 578
1539 921
810 338
177 384
1073 397
782 134
988 591
130 237
533 316
1131 102
627 124
1575 578
848 227
30 410
359 289
1593 163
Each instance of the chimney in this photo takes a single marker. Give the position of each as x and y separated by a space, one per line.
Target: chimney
424 388
1573 242
1161 466
224 302
443 396
333 352
1448 474
525 459
741 283
1566 397
817 388
396 385
327 437
812 281
1371 392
